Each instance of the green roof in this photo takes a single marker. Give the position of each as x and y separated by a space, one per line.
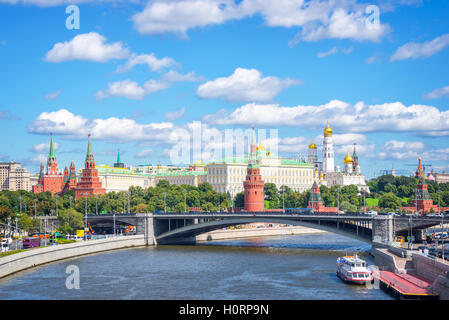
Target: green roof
52 153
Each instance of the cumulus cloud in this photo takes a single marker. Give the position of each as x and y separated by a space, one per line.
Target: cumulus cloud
71 126
153 63
132 90
438 93
406 150
245 85
88 46
318 19
414 50
44 147
360 117
52 3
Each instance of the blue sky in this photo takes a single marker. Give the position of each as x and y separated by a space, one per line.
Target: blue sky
137 71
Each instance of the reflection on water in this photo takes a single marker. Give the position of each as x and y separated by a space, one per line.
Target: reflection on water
284 267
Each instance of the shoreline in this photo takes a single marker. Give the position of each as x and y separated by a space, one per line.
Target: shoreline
230 234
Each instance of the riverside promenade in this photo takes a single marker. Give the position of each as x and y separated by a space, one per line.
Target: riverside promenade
38 256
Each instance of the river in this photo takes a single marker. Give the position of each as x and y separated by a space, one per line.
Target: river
281 267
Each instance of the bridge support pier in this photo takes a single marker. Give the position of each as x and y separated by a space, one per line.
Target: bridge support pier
383 229
146 227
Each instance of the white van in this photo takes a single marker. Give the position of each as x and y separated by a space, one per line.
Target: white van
4 246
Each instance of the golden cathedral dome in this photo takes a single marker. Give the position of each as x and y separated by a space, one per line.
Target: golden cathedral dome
313 146
327 130
348 159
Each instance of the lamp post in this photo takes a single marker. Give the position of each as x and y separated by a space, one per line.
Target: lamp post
185 200
283 199
165 202
85 217
439 196
129 193
20 198
56 198
338 199
35 200
96 204
115 233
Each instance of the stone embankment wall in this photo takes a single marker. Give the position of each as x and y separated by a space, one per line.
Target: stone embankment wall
256 232
38 256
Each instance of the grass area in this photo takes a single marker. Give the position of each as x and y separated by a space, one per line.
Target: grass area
372 202
8 253
65 241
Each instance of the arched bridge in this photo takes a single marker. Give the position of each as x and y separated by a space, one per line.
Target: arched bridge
173 228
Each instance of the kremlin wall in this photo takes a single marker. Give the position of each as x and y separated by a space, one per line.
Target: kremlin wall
248 174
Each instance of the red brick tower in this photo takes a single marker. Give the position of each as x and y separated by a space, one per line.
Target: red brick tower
253 185
423 203
72 176
53 180
315 201
89 183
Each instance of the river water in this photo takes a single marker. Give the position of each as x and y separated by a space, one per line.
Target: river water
284 267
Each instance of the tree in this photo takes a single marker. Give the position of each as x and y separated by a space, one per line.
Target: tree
70 220
389 201
141 208
239 201
5 212
348 207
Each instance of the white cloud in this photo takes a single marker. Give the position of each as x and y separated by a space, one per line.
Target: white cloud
88 46
334 50
406 150
150 60
318 19
144 154
174 115
132 90
438 93
52 3
71 126
387 117
44 147
244 85
53 95
414 50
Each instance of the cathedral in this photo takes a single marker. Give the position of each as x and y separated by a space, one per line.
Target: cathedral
326 173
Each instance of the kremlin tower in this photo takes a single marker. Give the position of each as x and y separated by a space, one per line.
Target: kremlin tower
253 185
52 180
422 202
89 183
328 151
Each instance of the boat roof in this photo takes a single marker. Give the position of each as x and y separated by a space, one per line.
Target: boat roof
353 259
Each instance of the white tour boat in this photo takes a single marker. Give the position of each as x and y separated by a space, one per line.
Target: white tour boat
353 269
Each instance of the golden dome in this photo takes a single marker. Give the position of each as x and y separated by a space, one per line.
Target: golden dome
348 159
313 146
328 130
321 175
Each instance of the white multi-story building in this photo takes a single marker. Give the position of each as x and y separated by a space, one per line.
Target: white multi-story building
13 177
228 174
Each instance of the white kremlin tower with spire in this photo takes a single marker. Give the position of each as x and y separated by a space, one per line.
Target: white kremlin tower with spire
328 175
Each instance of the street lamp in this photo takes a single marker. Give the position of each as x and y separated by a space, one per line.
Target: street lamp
56 197
85 217
129 193
165 202
35 200
283 199
96 204
20 198
185 200
439 208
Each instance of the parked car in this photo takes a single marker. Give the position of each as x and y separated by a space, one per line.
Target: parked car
4 247
372 213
